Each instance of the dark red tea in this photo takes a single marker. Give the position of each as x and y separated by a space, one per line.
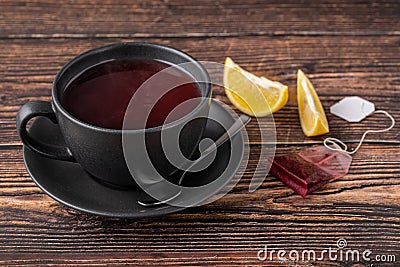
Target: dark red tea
101 94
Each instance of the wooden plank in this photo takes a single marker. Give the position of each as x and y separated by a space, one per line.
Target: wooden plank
369 164
359 207
367 66
158 258
37 19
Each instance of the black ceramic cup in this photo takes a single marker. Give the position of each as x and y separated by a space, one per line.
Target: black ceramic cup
99 150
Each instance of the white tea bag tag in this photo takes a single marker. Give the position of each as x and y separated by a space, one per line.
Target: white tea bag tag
353 109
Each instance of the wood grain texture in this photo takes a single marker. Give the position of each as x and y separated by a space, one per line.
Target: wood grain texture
365 65
346 48
37 19
360 207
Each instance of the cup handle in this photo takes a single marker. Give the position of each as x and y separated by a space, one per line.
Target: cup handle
34 109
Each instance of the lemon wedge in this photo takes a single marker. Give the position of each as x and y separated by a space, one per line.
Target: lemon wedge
252 95
312 115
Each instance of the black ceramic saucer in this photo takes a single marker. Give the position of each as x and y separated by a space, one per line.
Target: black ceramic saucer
69 184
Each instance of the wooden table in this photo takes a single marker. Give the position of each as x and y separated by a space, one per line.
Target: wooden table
345 48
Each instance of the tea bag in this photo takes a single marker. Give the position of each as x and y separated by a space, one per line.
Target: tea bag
314 167
311 168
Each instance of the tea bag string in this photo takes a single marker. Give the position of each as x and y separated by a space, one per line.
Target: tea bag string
338 145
